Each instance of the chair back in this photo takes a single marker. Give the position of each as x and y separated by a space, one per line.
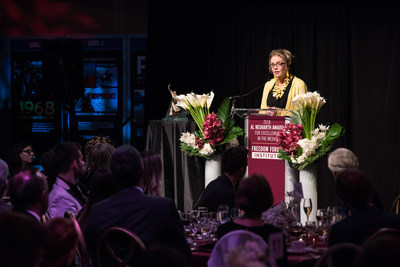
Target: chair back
327 258
381 249
118 246
235 240
82 254
396 205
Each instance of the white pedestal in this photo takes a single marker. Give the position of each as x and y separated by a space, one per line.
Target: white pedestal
212 169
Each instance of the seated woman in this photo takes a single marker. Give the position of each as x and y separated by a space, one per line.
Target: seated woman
152 173
21 155
254 196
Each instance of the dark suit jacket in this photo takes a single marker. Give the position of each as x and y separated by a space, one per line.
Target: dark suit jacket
154 219
219 191
5 207
357 227
27 214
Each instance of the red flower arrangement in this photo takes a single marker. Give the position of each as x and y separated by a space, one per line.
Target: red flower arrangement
213 131
217 131
287 138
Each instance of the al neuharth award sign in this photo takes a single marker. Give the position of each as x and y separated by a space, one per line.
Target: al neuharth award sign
263 152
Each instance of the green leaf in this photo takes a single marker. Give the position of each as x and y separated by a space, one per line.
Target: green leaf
224 110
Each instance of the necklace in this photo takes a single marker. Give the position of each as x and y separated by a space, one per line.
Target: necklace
277 91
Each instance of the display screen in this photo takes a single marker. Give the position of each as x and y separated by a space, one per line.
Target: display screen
101 90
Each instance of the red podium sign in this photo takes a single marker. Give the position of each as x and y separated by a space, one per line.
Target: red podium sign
263 152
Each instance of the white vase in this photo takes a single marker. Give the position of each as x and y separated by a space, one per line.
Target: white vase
308 180
212 169
291 177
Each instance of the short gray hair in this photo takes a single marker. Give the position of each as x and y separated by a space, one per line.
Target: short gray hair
342 159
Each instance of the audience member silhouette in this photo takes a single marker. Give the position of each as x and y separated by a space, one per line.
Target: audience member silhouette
21 155
91 165
381 249
152 173
61 243
66 195
342 159
22 241
97 139
98 157
102 186
354 188
29 193
154 219
222 190
254 196
5 204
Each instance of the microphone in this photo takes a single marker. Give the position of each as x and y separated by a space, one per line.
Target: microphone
234 98
246 94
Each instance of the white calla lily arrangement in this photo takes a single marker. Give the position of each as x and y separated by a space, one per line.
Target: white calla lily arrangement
216 130
300 142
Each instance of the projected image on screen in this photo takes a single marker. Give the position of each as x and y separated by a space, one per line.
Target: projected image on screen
98 100
101 90
107 75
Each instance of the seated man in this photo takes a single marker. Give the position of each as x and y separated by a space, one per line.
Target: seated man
28 193
154 219
22 242
66 195
342 159
354 188
222 190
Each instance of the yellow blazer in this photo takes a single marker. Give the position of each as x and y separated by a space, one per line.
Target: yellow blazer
298 87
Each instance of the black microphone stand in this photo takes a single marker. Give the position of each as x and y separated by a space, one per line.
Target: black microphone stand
234 98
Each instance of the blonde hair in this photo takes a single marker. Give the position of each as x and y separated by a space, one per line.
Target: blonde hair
342 159
97 139
285 54
99 156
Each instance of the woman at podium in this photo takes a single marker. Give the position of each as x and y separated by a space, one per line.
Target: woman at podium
280 90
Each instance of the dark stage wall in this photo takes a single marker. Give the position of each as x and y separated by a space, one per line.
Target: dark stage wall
348 52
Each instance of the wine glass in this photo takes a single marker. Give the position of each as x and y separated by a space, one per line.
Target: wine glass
307 207
202 211
296 229
223 213
322 217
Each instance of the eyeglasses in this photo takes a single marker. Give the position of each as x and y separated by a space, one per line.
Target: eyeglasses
279 65
29 151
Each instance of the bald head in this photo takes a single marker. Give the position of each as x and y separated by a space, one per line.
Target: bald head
27 188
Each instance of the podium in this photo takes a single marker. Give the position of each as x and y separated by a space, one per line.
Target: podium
261 127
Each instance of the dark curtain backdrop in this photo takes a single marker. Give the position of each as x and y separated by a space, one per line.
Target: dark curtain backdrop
348 52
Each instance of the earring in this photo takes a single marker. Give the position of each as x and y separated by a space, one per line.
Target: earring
287 73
